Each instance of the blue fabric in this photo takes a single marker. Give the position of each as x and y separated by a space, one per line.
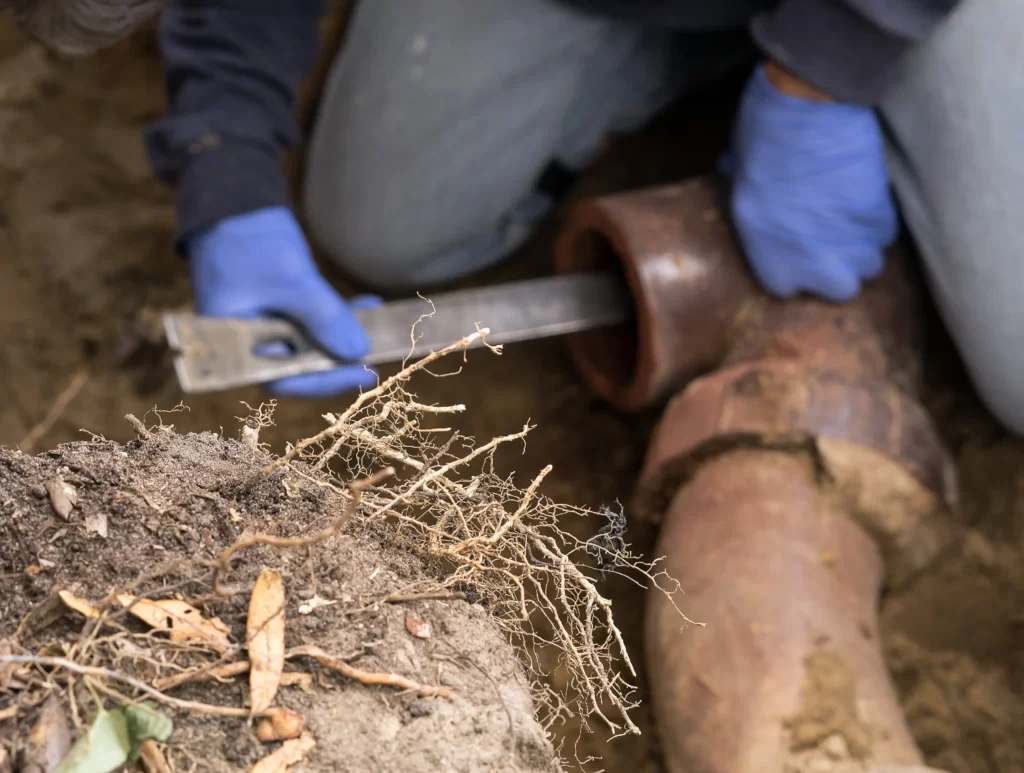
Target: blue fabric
811 201
259 264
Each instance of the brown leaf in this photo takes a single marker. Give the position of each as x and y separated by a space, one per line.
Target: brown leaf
298 679
9 713
182 620
81 606
44 614
153 760
290 753
418 628
6 766
280 725
49 740
265 634
96 523
63 497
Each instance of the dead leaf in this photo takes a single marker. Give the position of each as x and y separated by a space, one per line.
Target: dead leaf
290 753
96 523
63 497
44 614
81 606
418 628
153 760
280 725
182 620
6 766
9 713
265 634
298 679
49 740
314 603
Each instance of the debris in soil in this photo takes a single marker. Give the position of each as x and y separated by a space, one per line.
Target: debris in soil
180 619
63 497
49 740
177 615
264 635
290 753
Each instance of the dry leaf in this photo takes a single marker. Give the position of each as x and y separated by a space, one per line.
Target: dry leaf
81 606
182 620
63 497
45 613
418 628
6 766
280 725
96 524
290 753
297 679
153 760
50 738
9 713
265 634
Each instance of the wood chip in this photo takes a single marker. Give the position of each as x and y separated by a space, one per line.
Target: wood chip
417 627
96 523
81 606
290 753
265 634
181 620
63 497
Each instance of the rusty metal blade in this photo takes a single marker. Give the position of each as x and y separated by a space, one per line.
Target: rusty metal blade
214 354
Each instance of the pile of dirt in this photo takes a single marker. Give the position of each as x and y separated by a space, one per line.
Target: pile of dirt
93 517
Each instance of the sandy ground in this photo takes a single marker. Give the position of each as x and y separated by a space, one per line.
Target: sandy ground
85 267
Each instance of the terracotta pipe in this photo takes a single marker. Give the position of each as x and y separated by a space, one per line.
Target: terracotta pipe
793 477
674 247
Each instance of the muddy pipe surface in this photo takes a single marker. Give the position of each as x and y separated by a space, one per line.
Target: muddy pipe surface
789 662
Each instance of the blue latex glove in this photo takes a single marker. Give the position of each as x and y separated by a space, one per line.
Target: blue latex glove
810 202
259 264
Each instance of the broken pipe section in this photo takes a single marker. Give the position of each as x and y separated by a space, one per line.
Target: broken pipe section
793 476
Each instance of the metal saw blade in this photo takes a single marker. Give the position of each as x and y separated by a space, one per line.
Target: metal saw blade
215 354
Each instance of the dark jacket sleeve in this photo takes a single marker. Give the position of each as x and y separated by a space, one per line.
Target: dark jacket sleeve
848 48
232 72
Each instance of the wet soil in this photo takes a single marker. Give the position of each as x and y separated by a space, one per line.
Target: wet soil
86 266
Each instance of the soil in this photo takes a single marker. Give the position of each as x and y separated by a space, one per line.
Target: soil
86 267
173 500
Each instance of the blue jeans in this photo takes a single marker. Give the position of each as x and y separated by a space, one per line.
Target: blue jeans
438 118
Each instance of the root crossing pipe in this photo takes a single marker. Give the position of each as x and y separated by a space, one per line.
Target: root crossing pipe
793 476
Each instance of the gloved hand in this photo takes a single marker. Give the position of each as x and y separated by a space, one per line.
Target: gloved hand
810 201
259 264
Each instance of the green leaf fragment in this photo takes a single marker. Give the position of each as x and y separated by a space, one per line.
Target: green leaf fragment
115 738
101 750
146 723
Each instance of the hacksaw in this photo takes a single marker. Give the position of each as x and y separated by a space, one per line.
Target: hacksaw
216 354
